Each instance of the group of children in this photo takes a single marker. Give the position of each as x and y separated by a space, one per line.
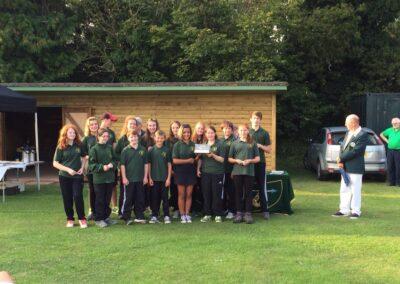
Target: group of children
152 167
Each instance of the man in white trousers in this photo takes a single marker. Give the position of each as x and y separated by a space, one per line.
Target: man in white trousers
351 159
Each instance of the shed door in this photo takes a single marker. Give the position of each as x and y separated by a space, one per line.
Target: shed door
77 116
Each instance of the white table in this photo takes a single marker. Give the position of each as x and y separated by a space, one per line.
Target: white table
7 165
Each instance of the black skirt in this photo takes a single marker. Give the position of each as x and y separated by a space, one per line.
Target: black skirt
185 174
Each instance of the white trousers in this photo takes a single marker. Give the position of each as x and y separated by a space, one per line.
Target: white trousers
350 196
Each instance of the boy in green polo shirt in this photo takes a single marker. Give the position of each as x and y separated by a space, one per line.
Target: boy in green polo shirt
392 137
134 171
261 137
229 188
160 171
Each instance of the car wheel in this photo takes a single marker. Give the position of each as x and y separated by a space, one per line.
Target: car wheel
320 174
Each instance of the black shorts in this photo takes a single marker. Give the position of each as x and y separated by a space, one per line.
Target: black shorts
185 174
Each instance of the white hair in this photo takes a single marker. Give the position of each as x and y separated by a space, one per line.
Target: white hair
139 120
352 117
395 120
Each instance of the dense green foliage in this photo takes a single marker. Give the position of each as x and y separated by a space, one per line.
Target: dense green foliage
326 50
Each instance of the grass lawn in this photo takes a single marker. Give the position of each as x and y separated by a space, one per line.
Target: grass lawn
309 246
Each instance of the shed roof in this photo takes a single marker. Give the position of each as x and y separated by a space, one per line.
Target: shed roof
148 87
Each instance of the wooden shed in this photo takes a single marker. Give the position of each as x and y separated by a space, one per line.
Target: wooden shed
189 102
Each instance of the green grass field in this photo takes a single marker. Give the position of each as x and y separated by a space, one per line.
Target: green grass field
307 247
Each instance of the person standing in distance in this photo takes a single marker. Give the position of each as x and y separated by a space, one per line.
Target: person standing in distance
392 137
261 137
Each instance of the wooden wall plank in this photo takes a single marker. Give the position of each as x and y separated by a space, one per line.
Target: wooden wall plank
210 107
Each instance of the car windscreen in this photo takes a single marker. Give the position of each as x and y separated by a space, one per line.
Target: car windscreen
338 137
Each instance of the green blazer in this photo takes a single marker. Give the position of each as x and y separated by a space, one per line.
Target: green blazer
352 154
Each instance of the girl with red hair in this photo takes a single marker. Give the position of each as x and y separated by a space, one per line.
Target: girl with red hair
69 160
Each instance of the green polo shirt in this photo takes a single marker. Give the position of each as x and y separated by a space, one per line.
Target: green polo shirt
170 143
70 157
159 159
112 139
147 141
100 155
261 136
183 150
226 143
393 137
242 151
87 143
210 165
134 161
121 144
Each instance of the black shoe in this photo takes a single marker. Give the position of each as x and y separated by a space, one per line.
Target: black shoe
339 214
266 215
354 216
391 184
129 222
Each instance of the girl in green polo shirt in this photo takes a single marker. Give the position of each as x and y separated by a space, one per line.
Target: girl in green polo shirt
69 160
184 158
243 154
89 140
130 124
148 138
198 137
170 142
102 164
148 142
210 168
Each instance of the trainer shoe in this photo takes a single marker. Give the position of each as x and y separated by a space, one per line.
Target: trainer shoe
139 221
248 218
266 215
167 220
83 224
101 224
110 221
153 220
70 224
176 214
218 219
129 222
354 216
205 219
238 218
188 219
339 214
183 219
230 216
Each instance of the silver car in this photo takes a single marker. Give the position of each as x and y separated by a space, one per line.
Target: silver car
324 149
